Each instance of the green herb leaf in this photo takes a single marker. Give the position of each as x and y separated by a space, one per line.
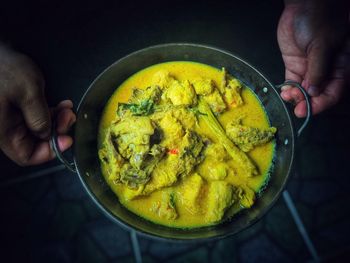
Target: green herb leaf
172 200
146 107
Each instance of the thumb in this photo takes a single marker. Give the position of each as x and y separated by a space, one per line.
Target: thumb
36 113
318 64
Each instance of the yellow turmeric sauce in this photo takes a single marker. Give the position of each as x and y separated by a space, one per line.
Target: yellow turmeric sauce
253 115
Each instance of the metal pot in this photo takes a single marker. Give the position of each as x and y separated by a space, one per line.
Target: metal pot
86 162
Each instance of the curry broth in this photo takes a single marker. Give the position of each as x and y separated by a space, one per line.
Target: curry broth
254 115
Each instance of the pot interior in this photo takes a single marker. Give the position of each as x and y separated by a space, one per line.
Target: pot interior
94 100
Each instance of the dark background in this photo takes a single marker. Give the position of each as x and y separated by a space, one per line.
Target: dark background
51 219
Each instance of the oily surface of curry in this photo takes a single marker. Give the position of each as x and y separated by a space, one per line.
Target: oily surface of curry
185 145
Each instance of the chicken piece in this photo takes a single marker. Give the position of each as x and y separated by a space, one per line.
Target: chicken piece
246 196
215 101
182 163
186 117
141 103
179 162
181 93
138 125
140 167
111 160
220 198
231 89
172 130
165 208
135 177
192 187
152 93
163 79
216 171
164 174
214 166
132 193
189 151
246 138
232 93
204 86
132 136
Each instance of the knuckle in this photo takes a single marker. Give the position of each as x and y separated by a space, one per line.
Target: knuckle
39 125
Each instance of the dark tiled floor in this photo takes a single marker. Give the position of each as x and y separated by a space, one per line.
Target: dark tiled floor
51 219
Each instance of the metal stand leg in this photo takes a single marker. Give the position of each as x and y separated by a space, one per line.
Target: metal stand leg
135 247
300 226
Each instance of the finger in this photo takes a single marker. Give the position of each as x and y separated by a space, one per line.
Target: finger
327 99
300 109
43 152
297 95
65 119
286 95
290 75
292 95
35 112
319 59
317 106
24 149
61 105
65 104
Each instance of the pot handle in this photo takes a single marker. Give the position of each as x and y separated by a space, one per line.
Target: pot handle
307 99
54 146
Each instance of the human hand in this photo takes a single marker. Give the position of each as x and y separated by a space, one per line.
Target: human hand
25 119
315 53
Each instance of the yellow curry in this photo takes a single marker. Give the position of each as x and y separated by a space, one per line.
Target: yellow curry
185 145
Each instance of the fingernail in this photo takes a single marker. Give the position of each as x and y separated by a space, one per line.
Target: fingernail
313 91
285 96
299 112
286 87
